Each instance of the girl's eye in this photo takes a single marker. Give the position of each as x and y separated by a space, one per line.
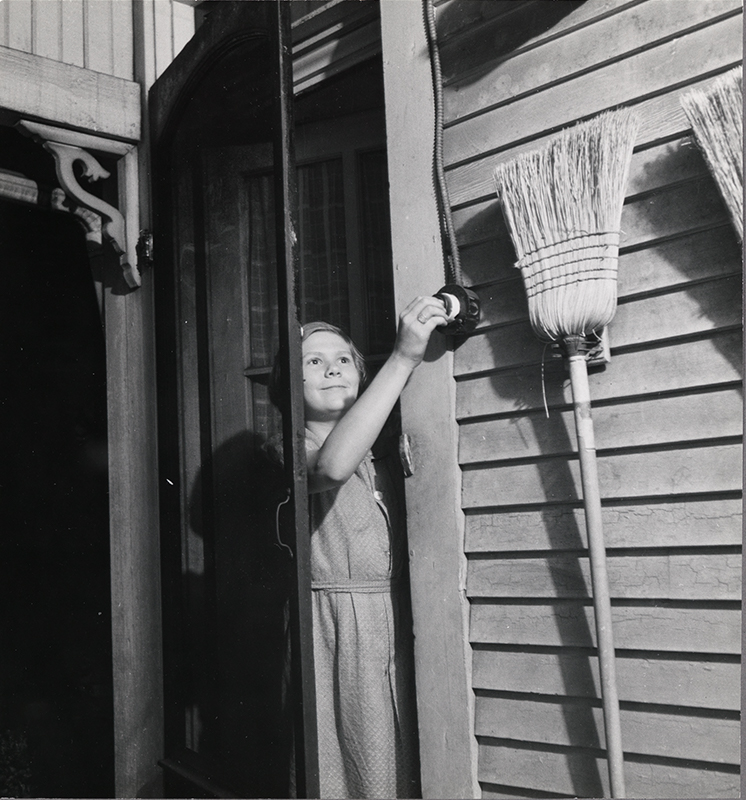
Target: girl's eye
313 361
345 360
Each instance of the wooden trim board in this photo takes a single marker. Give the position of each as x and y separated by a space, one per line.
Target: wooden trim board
69 96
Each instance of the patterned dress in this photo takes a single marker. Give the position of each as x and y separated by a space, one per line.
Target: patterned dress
362 637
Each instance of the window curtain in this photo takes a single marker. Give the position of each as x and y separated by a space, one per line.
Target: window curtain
263 310
323 248
324 272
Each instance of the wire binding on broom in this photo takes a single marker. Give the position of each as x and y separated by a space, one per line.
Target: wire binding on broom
716 117
563 207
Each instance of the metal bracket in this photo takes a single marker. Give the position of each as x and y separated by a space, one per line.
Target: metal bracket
596 349
144 250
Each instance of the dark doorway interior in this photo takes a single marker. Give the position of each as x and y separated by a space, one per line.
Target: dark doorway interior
56 717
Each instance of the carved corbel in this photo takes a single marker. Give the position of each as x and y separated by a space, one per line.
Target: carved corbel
67 148
65 156
90 221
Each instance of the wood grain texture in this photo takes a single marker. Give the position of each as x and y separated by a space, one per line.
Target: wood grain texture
636 627
46 30
135 551
70 96
163 30
73 50
20 25
99 37
688 523
667 473
95 34
122 47
699 684
581 774
183 25
454 16
695 576
579 724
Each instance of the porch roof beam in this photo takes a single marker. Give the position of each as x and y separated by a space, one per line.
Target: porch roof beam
71 96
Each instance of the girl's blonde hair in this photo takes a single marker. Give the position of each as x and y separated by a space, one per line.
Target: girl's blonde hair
278 383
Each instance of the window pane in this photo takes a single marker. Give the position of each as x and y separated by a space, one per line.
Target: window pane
376 251
323 248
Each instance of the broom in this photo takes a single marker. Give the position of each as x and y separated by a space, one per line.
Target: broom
716 117
563 206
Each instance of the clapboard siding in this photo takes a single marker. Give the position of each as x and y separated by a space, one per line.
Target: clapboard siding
645 422
674 735
620 30
94 34
667 410
674 262
669 367
689 576
691 522
668 211
700 684
664 473
661 119
571 772
652 71
694 310
655 627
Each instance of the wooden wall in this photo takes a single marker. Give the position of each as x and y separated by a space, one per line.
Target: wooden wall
95 34
667 411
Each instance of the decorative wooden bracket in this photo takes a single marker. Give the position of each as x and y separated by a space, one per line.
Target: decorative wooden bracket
67 148
90 221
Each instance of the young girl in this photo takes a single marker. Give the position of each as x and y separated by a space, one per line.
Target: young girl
362 640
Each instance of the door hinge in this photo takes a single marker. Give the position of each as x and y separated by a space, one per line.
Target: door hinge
144 250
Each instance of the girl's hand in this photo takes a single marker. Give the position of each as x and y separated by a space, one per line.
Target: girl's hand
416 323
347 440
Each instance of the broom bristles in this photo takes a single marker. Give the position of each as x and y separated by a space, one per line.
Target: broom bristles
563 207
716 117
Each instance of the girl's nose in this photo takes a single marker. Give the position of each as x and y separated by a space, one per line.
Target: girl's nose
333 369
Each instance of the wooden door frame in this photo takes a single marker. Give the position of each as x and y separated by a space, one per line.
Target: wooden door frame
101 114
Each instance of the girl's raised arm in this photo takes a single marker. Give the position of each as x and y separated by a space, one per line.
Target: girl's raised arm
348 441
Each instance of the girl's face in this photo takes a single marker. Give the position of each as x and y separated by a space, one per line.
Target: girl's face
330 377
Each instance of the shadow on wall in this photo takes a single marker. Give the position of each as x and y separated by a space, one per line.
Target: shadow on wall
712 256
522 389
492 31
703 263
237 612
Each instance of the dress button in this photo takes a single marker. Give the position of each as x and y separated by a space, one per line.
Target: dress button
378 495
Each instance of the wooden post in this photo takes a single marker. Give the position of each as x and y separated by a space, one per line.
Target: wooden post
434 517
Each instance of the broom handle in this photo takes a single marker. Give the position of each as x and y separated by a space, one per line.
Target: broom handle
599 578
